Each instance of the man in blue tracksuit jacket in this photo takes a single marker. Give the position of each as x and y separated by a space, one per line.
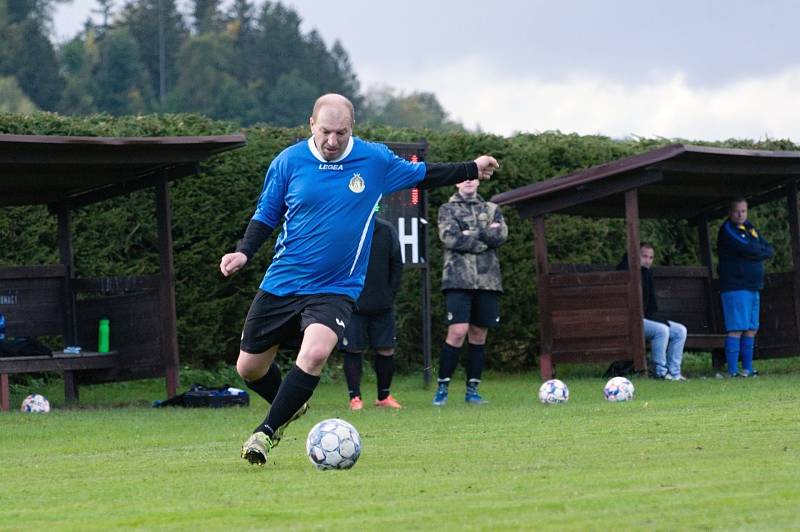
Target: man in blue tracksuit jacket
742 251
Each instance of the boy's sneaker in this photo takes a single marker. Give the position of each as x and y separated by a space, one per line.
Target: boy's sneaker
745 374
472 397
256 447
678 377
389 402
356 403
276 437
440 399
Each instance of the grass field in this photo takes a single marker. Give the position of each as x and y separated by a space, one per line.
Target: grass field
708 453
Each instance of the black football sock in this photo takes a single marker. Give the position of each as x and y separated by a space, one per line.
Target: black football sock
352 373
267 386
475 358
384 371
448 360
296 389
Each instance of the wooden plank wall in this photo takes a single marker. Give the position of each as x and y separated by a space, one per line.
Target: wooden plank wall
32 300
589 316
136 325
778 335
683 296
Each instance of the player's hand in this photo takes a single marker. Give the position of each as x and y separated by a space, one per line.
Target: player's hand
486 166
232 263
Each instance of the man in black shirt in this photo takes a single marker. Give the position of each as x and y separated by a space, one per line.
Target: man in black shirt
372 323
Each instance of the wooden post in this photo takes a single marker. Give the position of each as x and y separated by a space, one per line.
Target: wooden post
169 338
794 235
543 289
70 387
635 312
704 242
66 257
4 396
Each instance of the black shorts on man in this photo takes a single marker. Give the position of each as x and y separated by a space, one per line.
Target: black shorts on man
276 320
373 329
478 307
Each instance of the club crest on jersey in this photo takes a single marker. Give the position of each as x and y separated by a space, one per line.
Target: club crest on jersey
357 184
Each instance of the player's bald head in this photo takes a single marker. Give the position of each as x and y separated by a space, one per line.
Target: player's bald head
334 103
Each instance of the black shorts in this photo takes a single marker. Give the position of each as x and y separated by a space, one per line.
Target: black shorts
375 330
276 320
478 307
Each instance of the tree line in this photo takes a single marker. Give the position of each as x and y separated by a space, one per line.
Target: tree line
248 63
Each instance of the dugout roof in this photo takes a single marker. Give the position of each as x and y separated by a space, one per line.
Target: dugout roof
676 181
83 170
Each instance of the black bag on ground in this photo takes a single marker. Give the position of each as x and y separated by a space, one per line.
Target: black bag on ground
199 396
23 346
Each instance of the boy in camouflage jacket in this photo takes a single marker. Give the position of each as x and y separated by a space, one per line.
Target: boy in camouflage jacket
471 230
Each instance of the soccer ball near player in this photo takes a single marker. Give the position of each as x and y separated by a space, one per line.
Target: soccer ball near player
553 391
333 444
618 389
35 403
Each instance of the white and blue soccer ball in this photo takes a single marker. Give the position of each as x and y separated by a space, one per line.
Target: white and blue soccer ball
618 389
333 444
553 391
35 403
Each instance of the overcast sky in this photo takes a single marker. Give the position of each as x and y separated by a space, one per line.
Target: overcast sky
701 69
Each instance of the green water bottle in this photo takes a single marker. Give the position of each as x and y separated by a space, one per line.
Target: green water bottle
103 334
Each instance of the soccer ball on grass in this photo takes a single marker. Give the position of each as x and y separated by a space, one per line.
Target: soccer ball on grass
35 403
553 391
618 389
333 444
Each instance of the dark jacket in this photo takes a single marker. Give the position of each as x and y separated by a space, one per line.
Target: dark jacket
471 261
384 271
742 251
649 300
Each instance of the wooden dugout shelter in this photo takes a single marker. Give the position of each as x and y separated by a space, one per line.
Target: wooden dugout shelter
66 173
590 313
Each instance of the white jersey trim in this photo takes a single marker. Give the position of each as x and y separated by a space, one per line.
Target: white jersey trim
315 152
364 235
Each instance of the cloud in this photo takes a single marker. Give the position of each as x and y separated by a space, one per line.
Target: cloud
664 104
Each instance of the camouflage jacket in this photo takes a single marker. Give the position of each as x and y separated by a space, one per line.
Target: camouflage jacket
471 260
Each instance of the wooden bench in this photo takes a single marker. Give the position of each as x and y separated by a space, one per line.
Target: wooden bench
42 301
66 364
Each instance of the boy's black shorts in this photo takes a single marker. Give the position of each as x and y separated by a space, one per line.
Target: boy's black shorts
280 320
374 329
478 307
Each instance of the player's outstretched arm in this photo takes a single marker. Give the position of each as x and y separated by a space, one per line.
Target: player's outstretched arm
486 166
442 174
232 263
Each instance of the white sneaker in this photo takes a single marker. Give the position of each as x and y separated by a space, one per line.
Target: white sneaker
677 377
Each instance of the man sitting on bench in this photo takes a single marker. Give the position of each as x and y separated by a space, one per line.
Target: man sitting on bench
666 338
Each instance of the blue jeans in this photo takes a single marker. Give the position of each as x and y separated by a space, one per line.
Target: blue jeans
666 344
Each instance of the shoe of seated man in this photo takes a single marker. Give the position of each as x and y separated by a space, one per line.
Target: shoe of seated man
276 438
356 403
389 402
256 447
678 377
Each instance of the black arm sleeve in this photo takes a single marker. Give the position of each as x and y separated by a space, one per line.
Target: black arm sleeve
441 174
254 237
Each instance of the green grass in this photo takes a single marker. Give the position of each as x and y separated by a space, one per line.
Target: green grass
708 453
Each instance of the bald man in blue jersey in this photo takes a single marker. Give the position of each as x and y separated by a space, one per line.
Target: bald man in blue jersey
325 190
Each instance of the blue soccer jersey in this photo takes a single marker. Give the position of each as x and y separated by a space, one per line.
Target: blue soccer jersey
327 208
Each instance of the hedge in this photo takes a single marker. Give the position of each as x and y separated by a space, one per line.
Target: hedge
211 210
